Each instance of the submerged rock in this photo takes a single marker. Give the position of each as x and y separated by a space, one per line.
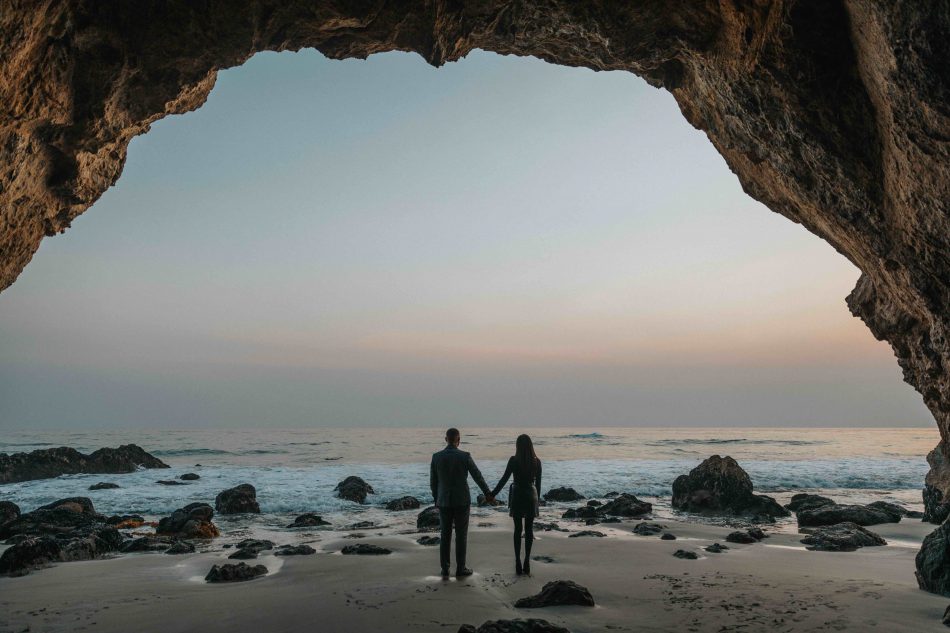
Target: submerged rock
192 521
308 520
835 513
685 554
720 486
366 548
562 494
428 519
54 462
235 572
353 489
933 562
514 626
148 544
104 485
294 550
842 537
189 477
587 533
242 499
557 593
181 547
648 529
404 503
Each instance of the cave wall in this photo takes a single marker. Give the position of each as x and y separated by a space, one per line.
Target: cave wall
833 113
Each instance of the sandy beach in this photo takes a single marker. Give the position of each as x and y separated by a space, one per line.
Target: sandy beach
637 583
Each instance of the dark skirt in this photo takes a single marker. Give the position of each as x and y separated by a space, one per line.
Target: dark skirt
522 501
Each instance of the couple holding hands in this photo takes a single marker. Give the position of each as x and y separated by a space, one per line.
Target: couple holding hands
448 478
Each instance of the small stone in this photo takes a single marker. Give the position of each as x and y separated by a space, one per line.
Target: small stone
366 549
428 540
189 477
104 485
294 550
557 593
685 554
668 537
716 548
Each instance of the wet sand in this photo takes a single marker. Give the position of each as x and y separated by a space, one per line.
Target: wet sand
775 585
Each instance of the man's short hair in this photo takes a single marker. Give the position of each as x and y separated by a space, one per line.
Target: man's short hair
452 434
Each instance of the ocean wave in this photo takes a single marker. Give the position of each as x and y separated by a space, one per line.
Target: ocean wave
583 436
182 452
739 440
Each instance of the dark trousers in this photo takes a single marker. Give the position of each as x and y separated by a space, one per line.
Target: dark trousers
456 517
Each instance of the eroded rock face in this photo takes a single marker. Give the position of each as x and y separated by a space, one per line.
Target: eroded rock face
53 462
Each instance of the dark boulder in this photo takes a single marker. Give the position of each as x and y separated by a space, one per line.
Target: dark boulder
558 593
192 521
366 549
514 626
746 536
53 462
648 529
583 512
626 505
8 511
244 554
594 503
895 509
720 486
181 547
294 550
189 477
843 537
667 536
834 514
30 553
716 548
685 554
104 485
933 561
242 499
428 540
60 517
562 494
428 519
235 572
353 489
308 520
403 503
170 482
587 533
806 501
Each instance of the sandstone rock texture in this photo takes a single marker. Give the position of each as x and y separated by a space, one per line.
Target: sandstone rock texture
831 112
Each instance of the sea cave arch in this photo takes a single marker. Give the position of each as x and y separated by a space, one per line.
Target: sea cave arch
832 113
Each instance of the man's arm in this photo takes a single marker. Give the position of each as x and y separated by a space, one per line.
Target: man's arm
477 476
434 482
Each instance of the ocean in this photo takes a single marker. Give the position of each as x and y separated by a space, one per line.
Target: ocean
295 470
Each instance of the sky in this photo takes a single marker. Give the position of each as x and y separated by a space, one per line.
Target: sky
497 242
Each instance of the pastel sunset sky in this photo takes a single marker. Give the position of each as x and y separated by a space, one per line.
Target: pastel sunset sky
496 242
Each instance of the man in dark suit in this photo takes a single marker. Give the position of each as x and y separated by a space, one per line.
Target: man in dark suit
448 478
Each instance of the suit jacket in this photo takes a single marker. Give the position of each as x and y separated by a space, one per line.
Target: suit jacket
448 478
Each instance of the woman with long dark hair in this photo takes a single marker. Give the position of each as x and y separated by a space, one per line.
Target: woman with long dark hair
522 497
